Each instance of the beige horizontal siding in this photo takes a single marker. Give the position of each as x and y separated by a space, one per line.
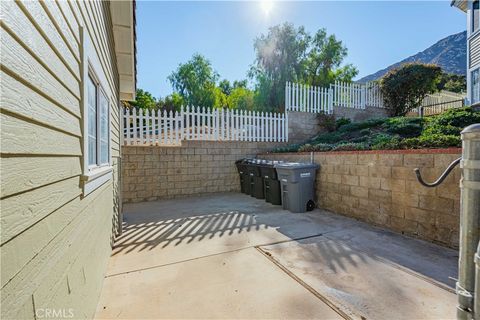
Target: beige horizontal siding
54 241
21 174
16 95
474 51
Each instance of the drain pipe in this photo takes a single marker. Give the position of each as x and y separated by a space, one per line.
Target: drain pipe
476 305
468 262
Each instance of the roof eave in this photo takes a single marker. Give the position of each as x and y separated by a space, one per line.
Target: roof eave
123 20
460 4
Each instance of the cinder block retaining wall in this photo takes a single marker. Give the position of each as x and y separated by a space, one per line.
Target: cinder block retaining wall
303 125
360 114
197 167
380 187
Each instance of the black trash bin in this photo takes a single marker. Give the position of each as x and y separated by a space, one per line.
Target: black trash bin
243 174
256 181
271 184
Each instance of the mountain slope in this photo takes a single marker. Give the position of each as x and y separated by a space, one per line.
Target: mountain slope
450 54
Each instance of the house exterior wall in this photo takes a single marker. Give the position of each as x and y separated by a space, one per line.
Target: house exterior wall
55 242
473 51
197 167
380 187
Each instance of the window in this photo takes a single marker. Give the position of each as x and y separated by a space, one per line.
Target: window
475 16
96 120
475 86
98 125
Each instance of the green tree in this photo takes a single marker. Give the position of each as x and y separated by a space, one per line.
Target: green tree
171 102
322 64
195 81
144 100
286 54
240 84
225 86
453 83
279 57
220 98
405 87
241 98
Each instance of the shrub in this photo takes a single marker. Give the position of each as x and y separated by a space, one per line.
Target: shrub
341 122
404 88
452 121
349 146
355 126
386 142
405 127
289 148
330 137
327 121
306 148
322 147
431 141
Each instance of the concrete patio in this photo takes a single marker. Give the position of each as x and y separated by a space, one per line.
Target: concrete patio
232 256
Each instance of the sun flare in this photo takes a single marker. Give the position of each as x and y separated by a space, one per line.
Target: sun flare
267 6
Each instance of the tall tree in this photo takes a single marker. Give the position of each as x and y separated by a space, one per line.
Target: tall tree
279 57
195 81
287 53
322 65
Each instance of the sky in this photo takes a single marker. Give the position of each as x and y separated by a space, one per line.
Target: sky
376 33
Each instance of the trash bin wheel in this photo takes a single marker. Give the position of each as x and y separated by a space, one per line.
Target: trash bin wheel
310 205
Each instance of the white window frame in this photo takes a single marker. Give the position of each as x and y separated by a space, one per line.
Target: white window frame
471 86
472 22
96 175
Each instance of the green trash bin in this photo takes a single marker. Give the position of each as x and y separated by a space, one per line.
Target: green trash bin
271 184
297 182
256 181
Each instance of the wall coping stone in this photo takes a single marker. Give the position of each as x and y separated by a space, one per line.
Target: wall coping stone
400 151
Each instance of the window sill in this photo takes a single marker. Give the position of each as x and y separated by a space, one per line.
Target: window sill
95 178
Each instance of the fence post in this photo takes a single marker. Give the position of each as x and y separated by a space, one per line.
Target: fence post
285 127
469 222
363 100
287 92
330 100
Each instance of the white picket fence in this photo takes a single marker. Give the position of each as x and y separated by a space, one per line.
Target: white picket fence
373 95
305 98
156 127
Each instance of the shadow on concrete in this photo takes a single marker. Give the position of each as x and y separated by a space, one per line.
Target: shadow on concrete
148 235
243 221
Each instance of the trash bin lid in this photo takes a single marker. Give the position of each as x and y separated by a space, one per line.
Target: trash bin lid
296 165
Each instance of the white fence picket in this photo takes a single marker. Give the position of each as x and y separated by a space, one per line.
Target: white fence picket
170 127
304 98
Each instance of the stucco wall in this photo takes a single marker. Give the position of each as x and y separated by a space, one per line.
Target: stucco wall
380 187
55 242
196 167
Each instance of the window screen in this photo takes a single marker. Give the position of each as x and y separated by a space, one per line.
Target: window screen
92 122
